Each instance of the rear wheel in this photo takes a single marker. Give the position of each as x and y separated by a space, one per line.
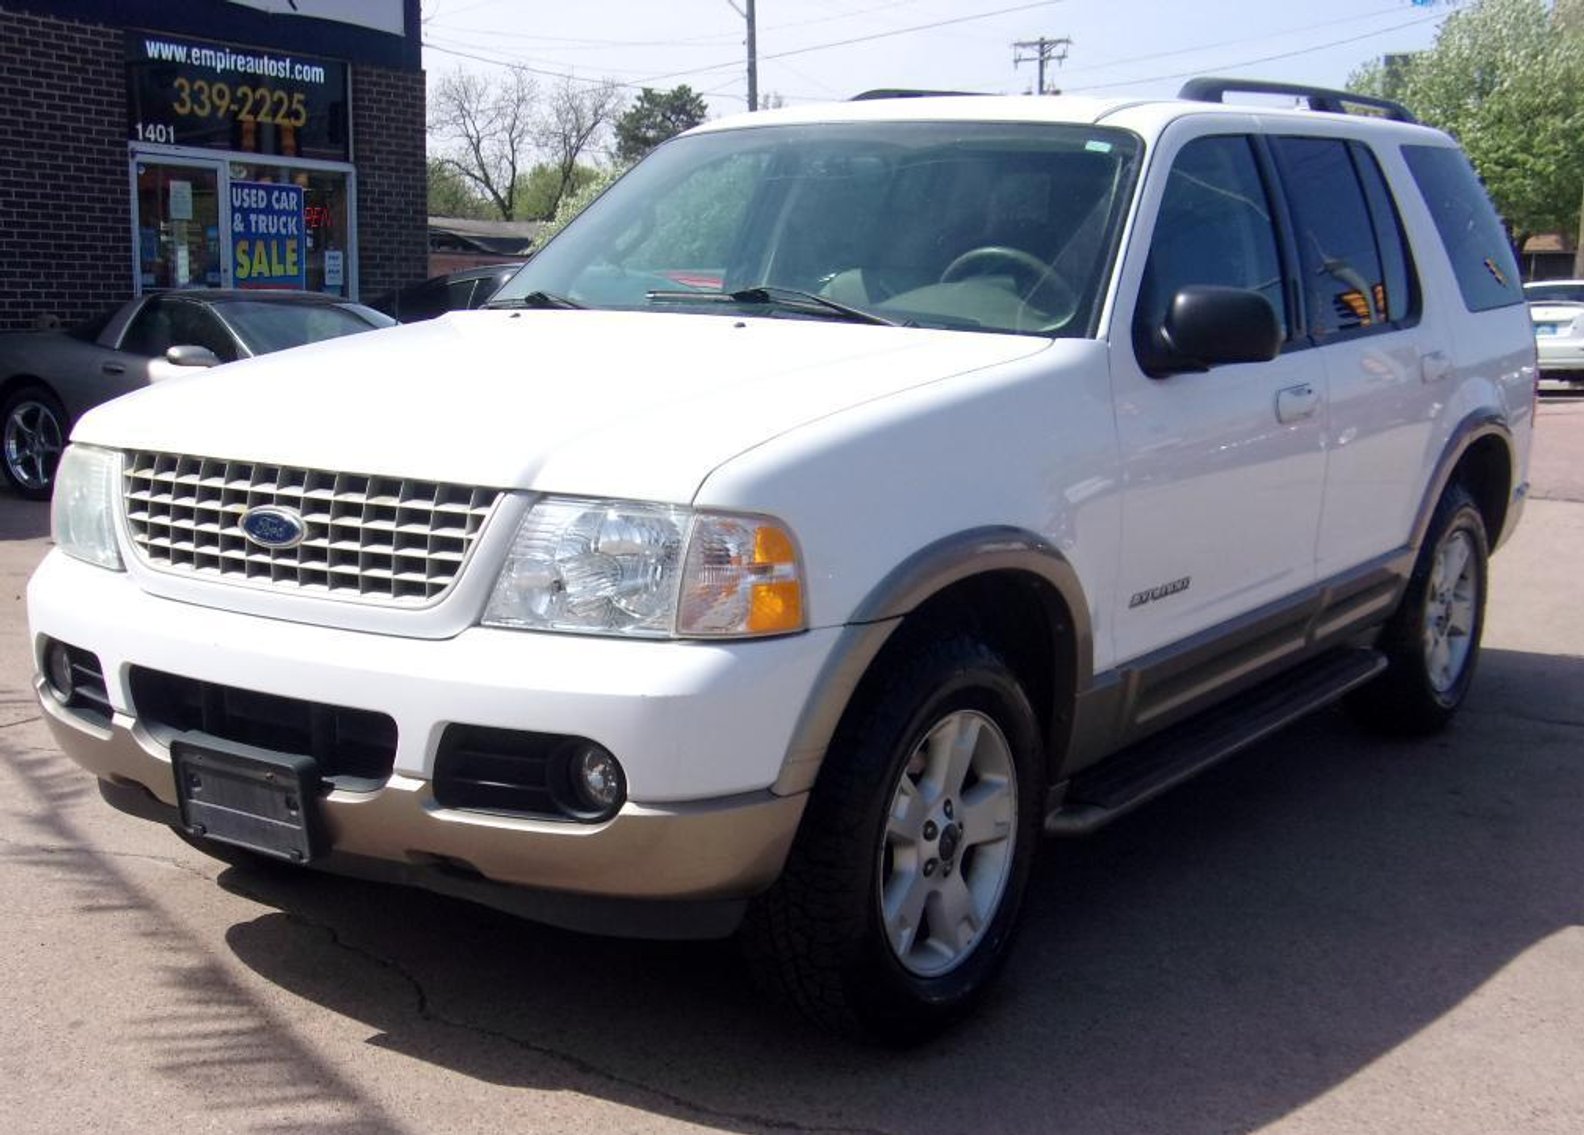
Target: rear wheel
1432 642
32 435
900 896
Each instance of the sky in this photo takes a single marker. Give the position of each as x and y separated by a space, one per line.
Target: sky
824 50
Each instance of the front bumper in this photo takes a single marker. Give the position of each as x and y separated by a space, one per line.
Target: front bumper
702 731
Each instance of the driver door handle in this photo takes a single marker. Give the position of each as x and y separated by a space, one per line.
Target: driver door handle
113 368
1296 403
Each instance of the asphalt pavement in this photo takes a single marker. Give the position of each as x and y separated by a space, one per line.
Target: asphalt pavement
1330 934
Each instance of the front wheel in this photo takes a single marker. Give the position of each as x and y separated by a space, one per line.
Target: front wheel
1432 642
32 435
901 893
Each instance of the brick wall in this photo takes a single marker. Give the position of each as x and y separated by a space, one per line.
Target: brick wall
65 206
388 115
65 201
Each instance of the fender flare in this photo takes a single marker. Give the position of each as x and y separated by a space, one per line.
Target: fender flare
925 573
1475 427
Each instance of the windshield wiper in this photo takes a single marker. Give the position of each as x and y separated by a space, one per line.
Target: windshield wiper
536 300
772 295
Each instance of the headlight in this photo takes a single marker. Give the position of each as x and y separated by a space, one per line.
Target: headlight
82 511
653 570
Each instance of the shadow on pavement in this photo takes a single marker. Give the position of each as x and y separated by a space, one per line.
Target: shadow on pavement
186 1018
1208 965
22 519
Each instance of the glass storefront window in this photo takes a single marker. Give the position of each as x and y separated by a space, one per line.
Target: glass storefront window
178 217
325 220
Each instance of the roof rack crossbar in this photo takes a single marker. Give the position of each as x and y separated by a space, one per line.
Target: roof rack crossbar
1319 98
905 93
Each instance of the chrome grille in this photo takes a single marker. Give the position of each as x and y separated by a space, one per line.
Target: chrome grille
376 539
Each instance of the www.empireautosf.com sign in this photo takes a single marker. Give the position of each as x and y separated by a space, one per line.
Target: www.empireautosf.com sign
188 92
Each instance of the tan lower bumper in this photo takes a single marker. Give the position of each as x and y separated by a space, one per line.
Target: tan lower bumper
700 850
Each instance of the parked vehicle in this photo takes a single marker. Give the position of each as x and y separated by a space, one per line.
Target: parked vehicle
49 378
455 291
1030 456
1557 309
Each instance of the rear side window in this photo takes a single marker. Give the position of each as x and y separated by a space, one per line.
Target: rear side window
1482 260
1401 301
1345 285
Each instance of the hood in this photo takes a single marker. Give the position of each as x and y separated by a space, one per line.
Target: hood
622 404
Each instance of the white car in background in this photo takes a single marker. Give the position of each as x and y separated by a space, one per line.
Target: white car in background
1557 309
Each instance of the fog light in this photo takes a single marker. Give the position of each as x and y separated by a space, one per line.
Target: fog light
58 670
597 779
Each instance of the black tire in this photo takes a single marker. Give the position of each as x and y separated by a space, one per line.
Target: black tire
819 937
33 432
1422 688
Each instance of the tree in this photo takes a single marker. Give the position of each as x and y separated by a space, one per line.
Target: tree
539 191
572 125
451 195
1506 78
486 127
655 116
574 203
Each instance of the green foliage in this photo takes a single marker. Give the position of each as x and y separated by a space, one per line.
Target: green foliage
1506 79
450 195
654 117
536 195
574 203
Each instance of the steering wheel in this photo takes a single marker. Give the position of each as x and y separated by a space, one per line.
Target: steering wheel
1034 278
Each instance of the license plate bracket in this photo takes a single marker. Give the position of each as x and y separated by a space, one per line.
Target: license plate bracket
264 801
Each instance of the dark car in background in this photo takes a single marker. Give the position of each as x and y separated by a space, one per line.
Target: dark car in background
454 291
48 379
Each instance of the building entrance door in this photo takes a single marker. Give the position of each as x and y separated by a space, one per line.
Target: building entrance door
180 242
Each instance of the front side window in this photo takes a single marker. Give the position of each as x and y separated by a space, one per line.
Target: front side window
192 325
971 226
1215 228
149 333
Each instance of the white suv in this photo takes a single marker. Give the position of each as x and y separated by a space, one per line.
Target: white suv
850 495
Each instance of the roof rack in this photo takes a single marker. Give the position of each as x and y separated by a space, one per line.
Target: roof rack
1319 98
904 93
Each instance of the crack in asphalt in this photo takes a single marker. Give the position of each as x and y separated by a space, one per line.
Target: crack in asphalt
427 1012
425 1008
21 721
73 850
1531 718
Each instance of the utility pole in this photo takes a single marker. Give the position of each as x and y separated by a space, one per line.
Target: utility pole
753 52
1044 50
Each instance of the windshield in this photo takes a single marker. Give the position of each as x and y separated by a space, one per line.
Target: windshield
978 226
265 326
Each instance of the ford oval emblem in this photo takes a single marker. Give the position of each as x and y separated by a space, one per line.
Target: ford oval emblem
271 526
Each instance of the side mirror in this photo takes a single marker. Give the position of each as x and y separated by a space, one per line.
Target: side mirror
1207 325
189 355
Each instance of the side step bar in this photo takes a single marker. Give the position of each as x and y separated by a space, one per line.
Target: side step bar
1143 771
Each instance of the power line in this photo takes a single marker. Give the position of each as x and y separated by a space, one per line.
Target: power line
1123 62
581 44
1044 51
862 39
1254 62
